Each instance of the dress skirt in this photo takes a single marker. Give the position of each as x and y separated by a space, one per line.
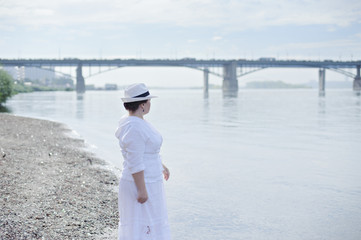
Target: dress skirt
147 221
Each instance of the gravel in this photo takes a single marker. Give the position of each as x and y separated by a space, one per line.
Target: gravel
50 186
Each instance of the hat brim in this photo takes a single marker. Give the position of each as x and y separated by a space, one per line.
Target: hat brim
137 99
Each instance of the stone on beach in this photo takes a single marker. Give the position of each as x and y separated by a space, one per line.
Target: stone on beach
47 192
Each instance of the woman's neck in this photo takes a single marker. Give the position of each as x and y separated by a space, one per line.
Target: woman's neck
136 114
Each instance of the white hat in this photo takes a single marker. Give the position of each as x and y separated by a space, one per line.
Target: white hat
136 92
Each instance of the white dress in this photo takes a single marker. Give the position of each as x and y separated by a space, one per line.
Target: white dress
140 144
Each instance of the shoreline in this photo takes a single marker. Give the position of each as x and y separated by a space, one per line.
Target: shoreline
51 186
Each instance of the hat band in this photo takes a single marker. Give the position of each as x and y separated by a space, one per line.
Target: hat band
143 94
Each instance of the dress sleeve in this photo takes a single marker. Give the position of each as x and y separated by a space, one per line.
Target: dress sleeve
134 146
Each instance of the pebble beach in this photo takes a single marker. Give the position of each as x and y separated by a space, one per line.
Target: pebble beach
51 187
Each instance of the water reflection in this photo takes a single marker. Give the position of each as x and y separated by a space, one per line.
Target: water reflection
80 105
206 106
322 105
205 94
230 93
80 96
230 111
358 103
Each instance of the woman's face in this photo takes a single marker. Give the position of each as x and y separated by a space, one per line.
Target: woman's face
146 107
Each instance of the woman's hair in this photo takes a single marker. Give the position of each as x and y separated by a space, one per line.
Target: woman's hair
133 106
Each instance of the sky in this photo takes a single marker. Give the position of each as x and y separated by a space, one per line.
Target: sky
171 29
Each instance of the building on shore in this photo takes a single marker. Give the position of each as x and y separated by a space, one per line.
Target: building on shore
110 86
30 73
39 76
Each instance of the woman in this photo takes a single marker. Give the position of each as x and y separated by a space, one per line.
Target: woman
141 200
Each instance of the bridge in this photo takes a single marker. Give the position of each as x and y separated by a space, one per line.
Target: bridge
231 69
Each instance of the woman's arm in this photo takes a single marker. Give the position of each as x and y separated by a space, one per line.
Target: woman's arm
166 172
140 183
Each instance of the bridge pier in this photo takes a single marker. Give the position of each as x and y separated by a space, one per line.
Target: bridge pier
230 82
205 82
357 80
321 81
80 83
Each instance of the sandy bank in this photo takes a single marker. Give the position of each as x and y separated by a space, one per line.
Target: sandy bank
50 188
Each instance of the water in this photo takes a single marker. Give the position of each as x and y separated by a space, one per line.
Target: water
269 164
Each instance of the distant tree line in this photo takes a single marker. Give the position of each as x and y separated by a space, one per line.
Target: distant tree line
274 84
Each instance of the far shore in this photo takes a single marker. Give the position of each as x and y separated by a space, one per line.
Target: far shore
50 186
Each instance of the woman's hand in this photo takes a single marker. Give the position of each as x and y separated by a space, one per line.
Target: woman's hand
140 183
166 172
142 196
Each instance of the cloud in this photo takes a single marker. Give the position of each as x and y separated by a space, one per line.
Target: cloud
217 38
318 45
322 49
187 13
190 26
